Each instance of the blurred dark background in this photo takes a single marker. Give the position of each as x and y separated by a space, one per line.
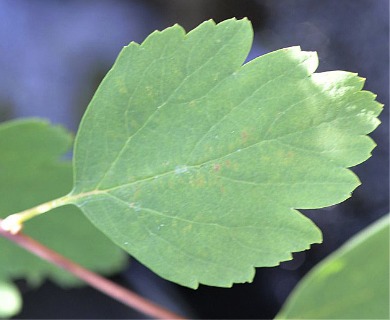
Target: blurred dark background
54 53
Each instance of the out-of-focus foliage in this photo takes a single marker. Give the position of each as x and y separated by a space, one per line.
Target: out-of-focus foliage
352 283
31 172
10 299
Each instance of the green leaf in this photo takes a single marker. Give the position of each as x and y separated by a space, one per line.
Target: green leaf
194 163
31 172
352 283
10 300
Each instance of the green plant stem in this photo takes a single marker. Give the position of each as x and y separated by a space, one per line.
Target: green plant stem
102 284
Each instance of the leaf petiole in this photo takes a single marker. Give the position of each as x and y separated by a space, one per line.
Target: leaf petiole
14 222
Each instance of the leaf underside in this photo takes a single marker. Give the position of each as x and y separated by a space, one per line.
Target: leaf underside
31 173
195 163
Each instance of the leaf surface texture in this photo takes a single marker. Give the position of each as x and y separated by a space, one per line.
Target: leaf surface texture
195 163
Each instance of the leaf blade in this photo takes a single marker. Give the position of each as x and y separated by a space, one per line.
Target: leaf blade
352 283
197 173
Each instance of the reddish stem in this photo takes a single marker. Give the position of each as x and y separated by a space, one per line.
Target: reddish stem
102 284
